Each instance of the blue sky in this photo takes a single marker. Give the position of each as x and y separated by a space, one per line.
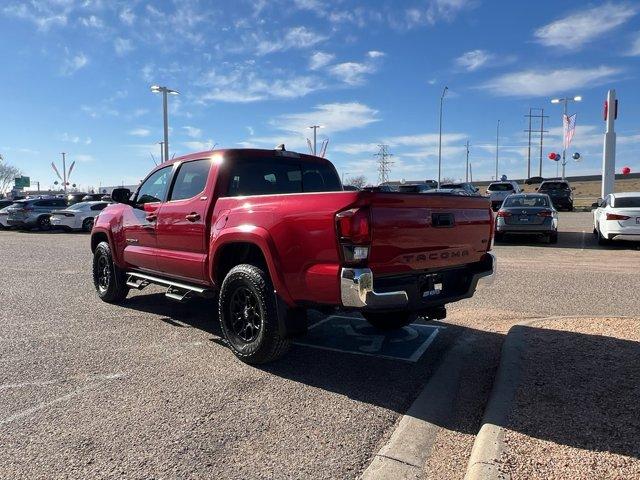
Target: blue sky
76 77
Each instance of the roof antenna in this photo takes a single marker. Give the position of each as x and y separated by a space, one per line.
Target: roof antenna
281 147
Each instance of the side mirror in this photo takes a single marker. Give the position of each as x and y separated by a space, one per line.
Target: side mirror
121 195
537 188
573 188
595 205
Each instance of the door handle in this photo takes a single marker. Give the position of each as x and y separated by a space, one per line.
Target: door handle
193 217
152 217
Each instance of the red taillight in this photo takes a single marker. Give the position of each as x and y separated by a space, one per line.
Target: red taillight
503 214
613 216
354 226
545 213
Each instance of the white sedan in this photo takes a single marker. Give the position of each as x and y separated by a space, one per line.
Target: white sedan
78 216
618 214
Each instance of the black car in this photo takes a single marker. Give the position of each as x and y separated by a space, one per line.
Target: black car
5 203
74 198
560 192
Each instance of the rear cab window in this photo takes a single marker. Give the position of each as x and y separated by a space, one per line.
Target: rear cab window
272 176
555 186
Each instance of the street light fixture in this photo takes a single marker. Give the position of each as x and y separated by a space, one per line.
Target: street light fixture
315 130
444 92
165 91
565 101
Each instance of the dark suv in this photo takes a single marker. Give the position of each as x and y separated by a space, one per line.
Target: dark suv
34 212
560 192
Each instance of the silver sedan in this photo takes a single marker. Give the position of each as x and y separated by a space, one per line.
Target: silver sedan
530 214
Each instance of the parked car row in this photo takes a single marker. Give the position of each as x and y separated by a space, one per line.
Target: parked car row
47 213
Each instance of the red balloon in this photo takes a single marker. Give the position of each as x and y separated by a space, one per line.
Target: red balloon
626 170
552 156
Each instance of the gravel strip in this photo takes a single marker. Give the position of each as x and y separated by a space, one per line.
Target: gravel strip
577 410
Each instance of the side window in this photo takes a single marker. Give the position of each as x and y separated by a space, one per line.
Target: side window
154 187
191 179
59 203
98 206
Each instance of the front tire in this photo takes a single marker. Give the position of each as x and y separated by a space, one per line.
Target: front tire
249 317
108 279
87 224
388 321
553 238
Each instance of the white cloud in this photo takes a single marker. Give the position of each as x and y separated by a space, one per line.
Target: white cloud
74 63
577 29
634 51
244 85
334 117
192 132
436 11
200 146
473 59
81 157
43 17
122 46
66 137
91 22
351 73
375 54
539 83
140 132
295 38
320 59
127 16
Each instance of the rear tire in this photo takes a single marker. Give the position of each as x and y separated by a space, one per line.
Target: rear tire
108 279
249 317
553 238
44 223
499 237
602 240
389 321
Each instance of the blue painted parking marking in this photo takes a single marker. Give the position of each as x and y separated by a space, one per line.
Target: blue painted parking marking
355 335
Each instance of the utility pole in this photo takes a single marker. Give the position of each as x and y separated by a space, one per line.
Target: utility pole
565 101
384 163
444 92
497 148
315 131
471 173
531 131
467 168
165 92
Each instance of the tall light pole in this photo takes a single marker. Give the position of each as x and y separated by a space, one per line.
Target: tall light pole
315 130
161 152
497 147
165 91
467 168
64 171
444 92
565 102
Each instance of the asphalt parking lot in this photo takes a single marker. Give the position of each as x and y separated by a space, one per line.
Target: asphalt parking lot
148 390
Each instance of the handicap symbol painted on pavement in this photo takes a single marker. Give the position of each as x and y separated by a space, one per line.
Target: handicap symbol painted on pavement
356 335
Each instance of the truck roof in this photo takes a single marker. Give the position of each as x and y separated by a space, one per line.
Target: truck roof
247 152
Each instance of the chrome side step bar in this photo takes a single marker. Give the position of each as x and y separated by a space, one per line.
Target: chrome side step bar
175 290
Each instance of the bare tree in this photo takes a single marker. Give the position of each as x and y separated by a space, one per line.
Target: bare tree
8 173
359 182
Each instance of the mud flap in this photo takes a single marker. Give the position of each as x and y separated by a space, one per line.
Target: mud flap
292 322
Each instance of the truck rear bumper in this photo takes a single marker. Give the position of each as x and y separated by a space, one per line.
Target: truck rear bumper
414 292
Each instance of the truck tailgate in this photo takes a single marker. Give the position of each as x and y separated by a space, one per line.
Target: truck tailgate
427 231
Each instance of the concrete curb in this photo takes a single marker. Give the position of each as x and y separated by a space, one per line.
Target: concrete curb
489 442
410 445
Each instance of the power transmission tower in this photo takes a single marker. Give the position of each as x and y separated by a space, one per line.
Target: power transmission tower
384 164
531 131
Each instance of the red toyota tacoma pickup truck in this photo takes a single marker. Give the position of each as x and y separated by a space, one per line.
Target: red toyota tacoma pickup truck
271 233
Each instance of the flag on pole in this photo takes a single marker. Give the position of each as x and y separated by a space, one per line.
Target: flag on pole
53 165
569 127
